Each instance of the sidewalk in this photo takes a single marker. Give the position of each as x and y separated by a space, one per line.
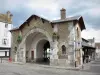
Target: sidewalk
4 60
49 66
84 67
59 67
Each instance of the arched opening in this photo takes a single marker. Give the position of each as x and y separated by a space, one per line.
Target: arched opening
37 48
43 52
63 49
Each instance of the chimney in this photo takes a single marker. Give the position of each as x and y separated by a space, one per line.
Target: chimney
9 15
63 13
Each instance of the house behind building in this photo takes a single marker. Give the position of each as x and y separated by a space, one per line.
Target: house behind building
89 50
97 49
5 35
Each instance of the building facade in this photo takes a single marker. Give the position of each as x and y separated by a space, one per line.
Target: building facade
89 50
5 35
55 42
97 49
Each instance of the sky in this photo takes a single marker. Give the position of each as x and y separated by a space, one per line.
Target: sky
50 9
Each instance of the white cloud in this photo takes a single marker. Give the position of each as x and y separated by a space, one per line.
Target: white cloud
12 4
94 11
90 10
48 4
90 33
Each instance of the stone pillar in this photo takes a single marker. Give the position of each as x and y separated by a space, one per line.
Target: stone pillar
15 57
20 56
93 54
81 59
24 53
54 55
71 57
35 54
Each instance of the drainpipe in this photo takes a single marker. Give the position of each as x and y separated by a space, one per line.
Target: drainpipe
75 47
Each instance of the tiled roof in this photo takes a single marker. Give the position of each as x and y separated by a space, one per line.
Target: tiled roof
16 28
28 21
67 19
79 18
91 40
85 40
4 18
85 43
74 18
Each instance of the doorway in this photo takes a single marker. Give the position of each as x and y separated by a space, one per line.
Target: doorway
43 52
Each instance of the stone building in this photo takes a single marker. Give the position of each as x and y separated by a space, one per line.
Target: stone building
89 50
97 45
5 35
55 42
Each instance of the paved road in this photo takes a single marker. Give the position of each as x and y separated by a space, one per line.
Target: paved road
33 69
93 67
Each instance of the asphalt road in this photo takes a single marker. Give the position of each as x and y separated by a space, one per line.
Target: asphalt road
93 67
33 69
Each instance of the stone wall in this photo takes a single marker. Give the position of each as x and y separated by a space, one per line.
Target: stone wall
78 45
37 23
33 24
67 36
14 44
66 32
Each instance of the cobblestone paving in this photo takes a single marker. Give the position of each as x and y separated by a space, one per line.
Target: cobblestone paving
33 69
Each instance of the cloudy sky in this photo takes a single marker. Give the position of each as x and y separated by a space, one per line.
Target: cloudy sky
89 9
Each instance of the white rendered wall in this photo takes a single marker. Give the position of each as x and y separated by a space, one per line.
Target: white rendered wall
4 30
97 53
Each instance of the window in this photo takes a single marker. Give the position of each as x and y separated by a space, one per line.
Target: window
63 49
6 25
4 42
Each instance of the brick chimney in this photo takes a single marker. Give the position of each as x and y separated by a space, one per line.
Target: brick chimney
9 15
63 13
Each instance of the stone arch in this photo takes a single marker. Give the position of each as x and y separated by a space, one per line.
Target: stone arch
38 30
42 47
34 30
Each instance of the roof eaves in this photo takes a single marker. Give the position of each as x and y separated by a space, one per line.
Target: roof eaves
67 19
82 26
14 29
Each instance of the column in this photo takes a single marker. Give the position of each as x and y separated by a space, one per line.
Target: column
35 54
71 56
15 57
81 61
24 53
53 52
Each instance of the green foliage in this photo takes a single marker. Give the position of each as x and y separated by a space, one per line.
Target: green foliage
19 39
